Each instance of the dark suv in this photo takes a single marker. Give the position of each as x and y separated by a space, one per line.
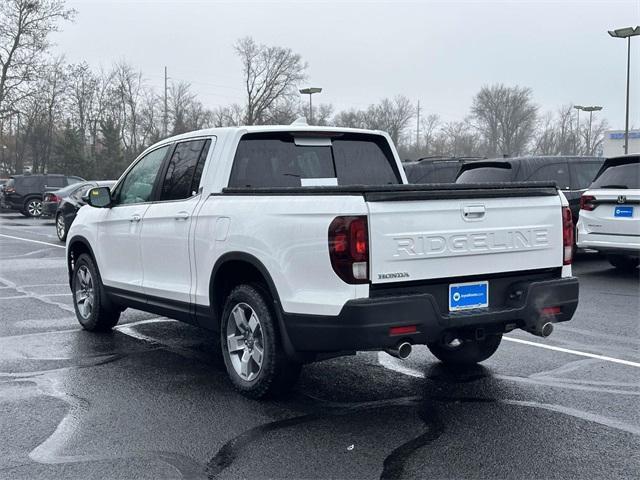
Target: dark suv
572 175
435 169
24 192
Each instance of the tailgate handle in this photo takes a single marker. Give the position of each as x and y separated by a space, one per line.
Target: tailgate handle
473 212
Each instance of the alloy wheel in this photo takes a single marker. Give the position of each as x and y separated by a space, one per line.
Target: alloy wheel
245 342
34 208
84 293
60 227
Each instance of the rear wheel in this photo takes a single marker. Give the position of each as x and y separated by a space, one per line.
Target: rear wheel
61 227
33 207
465 352
253 355
624 262
93 309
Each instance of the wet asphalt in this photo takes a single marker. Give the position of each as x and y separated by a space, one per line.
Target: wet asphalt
151 399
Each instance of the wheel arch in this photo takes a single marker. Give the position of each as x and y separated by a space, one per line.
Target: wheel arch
76 246
235 268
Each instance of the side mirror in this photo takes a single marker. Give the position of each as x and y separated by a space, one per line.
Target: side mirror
99 197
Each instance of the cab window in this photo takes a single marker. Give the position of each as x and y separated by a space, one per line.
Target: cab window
184 169
555 172
137 186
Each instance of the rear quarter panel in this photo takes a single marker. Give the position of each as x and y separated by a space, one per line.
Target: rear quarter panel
288 235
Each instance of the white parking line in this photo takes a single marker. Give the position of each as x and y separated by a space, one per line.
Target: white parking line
32 241
574 352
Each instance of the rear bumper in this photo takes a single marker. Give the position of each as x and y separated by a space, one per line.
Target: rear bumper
364 324
623 244
49 208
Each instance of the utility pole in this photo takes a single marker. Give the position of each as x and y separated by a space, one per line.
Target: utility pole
310 91
165 120
576 142
418 129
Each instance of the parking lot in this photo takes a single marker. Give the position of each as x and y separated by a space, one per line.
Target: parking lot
152 400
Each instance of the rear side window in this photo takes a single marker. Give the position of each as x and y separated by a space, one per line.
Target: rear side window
274 160
583 173
56 181
74 180
619 176
555 172
486 175
184 170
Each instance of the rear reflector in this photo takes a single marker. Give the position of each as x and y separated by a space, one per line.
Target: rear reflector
402 330
551 311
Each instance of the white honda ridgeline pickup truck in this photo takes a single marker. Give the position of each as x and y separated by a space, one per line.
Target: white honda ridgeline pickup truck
301 243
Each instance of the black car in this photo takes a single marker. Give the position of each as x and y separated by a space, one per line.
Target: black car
572 175
435 169
24 192
70 202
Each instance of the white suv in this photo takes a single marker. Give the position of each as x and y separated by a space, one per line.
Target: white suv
610 213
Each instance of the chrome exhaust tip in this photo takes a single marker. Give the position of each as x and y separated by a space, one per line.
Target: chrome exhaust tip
542 330
402 350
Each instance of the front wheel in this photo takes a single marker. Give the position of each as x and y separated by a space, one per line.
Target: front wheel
61 227
624 262
253 355
465 352
93 310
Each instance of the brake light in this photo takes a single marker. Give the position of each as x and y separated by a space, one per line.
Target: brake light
349 248
402 330
567 235
51 197
9 190
587 202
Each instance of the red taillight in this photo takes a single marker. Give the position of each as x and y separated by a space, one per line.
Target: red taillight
567 235
587 202
9 190
51 197
551 311
349 248
402 330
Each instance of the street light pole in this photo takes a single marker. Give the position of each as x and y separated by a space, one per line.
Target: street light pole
627 33
310 91
591 109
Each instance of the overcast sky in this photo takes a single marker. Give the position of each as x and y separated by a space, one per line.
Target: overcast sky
438 52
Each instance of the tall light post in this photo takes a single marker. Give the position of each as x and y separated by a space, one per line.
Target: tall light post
576 143
627 33
591 109
310 91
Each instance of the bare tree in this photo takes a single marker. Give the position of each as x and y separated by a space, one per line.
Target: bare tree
506 118
25 26
270 74
228 116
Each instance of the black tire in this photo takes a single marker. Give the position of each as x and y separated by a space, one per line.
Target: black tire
61 227
624 263
469 352
102 316
276 374
32 207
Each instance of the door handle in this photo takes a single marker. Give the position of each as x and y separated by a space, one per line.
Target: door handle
181 216
135 218
473 212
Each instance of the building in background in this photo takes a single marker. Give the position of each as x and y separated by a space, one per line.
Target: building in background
613 143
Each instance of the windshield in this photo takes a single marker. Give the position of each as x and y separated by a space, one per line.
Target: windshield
619 176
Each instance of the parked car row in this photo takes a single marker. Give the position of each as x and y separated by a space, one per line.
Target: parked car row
25 192
611 224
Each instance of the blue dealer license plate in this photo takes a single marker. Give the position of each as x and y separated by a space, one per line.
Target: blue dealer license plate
623 212
464 296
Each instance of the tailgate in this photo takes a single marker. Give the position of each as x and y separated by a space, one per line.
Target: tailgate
431 239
